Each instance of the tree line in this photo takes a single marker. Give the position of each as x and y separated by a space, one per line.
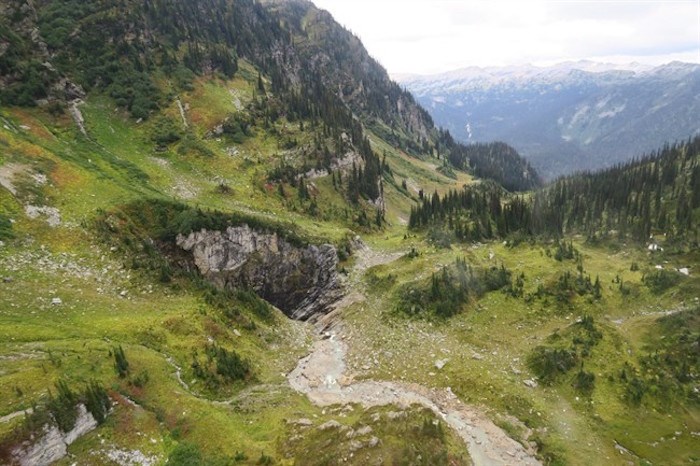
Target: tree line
655 194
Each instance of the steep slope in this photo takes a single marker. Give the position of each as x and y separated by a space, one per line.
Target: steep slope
315 67
155 186
568 117
126 124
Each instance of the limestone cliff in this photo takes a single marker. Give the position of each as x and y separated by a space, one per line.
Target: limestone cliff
301 281
52 444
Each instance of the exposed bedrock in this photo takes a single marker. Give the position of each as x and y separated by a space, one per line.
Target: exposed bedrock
301 281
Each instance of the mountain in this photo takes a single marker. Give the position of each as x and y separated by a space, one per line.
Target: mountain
304 52
568 117
227 237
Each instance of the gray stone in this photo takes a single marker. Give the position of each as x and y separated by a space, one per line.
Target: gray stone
332 424
373 442
301 281
440 363
53 444
395 414
302 422
530 383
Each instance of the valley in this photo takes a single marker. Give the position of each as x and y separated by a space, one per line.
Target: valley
569 117
274 257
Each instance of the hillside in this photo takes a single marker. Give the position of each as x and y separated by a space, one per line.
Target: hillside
568 117
209 255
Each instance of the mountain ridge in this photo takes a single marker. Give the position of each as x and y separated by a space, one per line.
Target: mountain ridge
161 190
564 119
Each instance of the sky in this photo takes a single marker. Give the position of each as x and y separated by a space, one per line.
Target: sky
434 36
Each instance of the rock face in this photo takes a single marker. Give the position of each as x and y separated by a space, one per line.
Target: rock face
53 444
302 282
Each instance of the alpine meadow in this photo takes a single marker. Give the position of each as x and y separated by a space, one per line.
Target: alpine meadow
228 237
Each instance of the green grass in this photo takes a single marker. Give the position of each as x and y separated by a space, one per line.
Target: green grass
486 344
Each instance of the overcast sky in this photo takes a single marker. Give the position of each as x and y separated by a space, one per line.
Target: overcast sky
430 36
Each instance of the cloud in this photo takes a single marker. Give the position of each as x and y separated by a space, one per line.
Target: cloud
424 36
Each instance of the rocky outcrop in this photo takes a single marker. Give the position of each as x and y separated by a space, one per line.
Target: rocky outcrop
301 281
52 445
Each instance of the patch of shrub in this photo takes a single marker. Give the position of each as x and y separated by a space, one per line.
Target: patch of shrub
5 228
566 251
584 381
255 303
185 454
220 366
165 132
440 238
97 401
63 406
444 297
659 281
190 144
237 127
495 278
670 368
548 364
121 365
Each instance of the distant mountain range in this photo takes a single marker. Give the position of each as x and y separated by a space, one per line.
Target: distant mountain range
568 117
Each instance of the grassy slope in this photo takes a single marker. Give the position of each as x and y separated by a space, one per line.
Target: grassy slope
40 342
104 304
487 345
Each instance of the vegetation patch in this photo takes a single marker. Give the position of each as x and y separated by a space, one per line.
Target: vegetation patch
659 281
450 289
669 370
376 436
219 366
564 351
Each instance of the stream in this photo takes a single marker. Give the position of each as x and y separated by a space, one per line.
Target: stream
321 377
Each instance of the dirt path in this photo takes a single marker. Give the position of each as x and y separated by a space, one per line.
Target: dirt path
322 377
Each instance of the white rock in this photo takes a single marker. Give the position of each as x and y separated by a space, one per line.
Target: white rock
56 301
52 446
530 383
